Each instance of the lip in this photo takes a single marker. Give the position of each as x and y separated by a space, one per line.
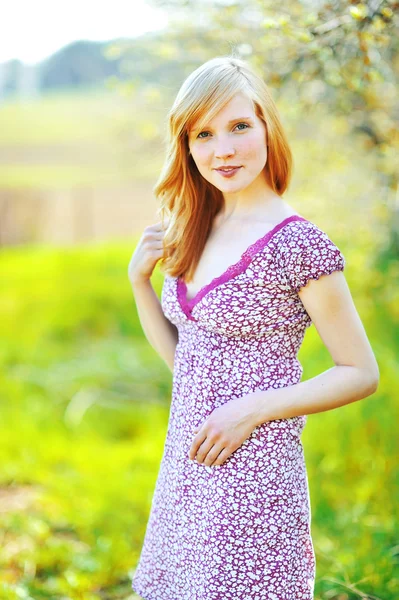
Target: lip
227 167
232 171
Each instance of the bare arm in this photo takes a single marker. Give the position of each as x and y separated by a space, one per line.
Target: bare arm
329 303
159 331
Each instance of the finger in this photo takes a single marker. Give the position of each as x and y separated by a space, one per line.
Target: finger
197 441
223 456
205 447
212 455
153 236
163 226
156 228
193 447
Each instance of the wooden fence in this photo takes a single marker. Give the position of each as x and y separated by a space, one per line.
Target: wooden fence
74 215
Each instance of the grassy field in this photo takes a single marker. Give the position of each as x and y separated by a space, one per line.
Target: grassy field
85 404
70 138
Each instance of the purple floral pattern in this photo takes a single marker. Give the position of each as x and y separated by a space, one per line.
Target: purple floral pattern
239 530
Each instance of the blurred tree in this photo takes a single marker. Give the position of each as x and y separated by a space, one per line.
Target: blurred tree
341 53
78 64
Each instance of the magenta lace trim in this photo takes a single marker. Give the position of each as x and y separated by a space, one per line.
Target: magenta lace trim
232 271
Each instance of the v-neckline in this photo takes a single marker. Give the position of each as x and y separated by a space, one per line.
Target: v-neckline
187 305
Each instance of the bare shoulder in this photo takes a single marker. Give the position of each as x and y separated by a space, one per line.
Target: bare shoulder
286 211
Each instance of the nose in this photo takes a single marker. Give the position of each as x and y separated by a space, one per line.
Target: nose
224 149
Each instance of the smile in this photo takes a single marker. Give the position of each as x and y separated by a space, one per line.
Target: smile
228 172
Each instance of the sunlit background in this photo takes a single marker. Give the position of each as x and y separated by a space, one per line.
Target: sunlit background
84 92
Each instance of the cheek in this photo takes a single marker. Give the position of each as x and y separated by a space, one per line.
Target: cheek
253 148
201 155
202 160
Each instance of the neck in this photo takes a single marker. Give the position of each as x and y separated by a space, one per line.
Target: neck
266 206
256 199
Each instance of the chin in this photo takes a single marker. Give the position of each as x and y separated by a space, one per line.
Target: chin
233 186
230 188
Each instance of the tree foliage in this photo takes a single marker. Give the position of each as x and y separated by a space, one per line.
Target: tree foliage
341 54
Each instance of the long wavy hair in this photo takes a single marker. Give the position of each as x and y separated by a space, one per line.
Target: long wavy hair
188 203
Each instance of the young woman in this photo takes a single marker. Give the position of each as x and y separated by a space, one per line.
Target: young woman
245 275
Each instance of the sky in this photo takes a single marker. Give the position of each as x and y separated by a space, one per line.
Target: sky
31 30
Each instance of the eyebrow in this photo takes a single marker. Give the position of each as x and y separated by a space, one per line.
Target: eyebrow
229 122
239 119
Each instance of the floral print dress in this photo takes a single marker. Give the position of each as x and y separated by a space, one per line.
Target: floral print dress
239 530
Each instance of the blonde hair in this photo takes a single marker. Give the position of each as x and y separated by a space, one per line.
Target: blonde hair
188 202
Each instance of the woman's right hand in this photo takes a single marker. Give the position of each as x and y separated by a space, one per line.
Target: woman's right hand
147 253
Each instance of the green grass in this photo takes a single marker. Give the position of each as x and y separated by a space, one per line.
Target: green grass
85 403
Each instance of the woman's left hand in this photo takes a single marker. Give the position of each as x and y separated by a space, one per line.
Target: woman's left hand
226 428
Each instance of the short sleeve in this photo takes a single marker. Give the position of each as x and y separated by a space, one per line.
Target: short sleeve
309 253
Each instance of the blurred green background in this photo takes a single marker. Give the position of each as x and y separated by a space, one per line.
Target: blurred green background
85 399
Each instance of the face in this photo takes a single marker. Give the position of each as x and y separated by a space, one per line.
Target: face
236 136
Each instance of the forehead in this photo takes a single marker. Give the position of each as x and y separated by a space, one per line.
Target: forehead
240 106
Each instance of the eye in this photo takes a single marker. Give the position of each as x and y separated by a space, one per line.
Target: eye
246 126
